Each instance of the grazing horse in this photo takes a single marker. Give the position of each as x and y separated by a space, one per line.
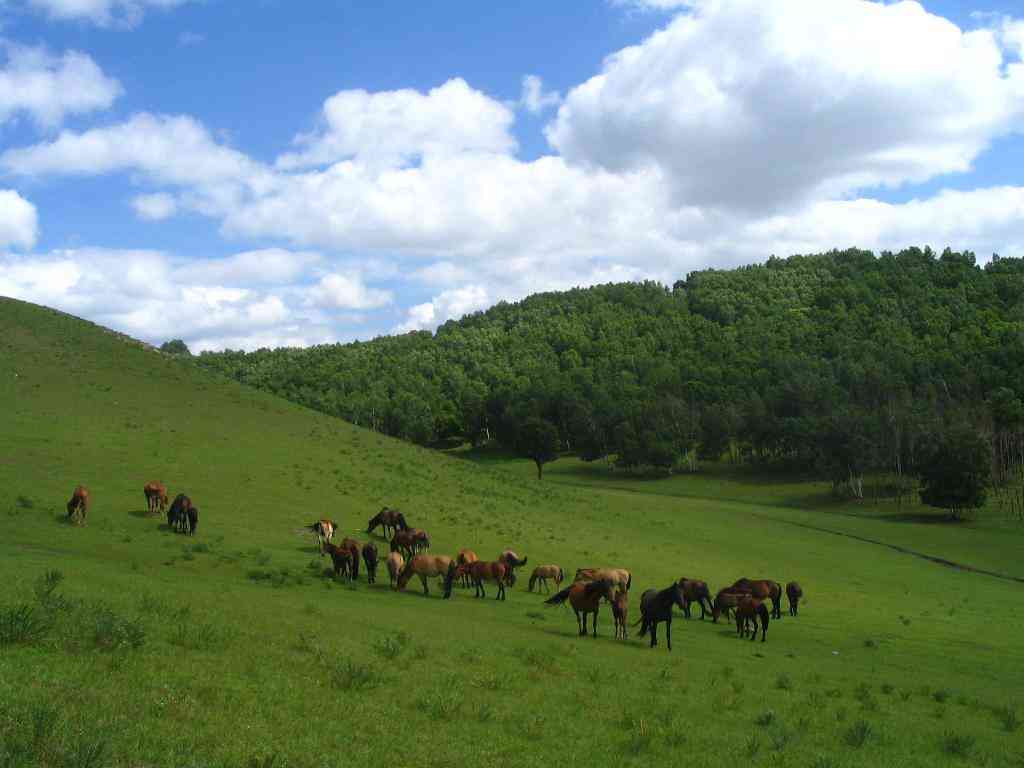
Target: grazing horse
428 566
620 610
78 505
726 600
177 515
762 589
748 612
585 597
388 518
395 563
156 497
479 572
465 557
622 578
410 541
695 591
370 558
342 559
353 548
511 561
544 572
794 592
656 607
324 530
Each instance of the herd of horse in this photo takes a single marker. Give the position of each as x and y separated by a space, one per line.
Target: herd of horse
745 601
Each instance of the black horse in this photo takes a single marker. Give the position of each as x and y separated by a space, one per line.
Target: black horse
370 558
177 515
656 607
193 520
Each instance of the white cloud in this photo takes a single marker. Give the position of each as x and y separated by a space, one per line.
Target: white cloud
448 305
48 87
393 127
758 105
347 291
270 266
19 224
155 207
534 98
103 13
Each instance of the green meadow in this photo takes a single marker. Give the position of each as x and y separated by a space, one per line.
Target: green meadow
124 644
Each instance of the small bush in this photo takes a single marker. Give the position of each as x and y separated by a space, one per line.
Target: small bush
752 746
1008 716
22 624
484 712
958 744
823 761
942 695
766 718
780 738
858 734
783 683
388 648
113 632
888 688
440 705
349 675
738 686
200 636
869 643
45 586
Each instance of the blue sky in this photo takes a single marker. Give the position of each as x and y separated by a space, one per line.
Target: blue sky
263 173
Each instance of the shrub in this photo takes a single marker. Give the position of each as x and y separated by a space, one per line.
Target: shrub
858 734
440 705
1008 715
766 718
113 632
783 683
349 675
388 647
958 744
752 746
942 695
22 624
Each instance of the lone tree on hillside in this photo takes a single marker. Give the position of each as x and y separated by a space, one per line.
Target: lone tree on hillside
956 475
176 347
538 440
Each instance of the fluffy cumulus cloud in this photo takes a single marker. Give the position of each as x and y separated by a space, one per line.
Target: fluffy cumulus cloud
739 130
47 87
757 105
103 13
19 224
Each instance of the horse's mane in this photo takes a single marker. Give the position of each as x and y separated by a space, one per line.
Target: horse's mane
596 586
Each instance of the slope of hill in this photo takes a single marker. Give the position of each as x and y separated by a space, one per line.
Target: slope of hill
233 649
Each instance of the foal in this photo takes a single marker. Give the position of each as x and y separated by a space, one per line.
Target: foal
794 592
749 611
620 611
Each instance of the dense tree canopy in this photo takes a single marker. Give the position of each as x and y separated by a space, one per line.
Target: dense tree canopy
844 362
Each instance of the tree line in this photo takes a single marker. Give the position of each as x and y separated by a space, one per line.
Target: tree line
845 362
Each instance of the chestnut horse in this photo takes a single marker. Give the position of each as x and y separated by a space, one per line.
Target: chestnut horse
544 572
388 518
794 592
622 578
395 563
585 597
78 505
342 559
726 600
156 497
656 607
748 612
465 557
620 610
354 548
762 589
410 541
429 566
695 591
479 572
370 558
511 561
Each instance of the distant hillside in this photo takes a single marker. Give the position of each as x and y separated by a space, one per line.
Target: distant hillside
843 361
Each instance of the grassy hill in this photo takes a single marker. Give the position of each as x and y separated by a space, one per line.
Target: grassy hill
233 649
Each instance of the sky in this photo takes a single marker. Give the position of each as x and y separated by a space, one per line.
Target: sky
262 173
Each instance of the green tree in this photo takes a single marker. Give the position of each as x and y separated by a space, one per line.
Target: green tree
175 347
538 440
956 474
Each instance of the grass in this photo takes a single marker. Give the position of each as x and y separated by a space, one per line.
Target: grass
110 656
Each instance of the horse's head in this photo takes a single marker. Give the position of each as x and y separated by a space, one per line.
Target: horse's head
605 588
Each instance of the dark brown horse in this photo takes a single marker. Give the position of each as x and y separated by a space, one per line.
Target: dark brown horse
726 600
748 612
156 497
585 597
354 549
410 541
695 591
370 559
389 519
620 611
794 592
78 505
178 514
479 572
762 589
656 607
511 561
342 559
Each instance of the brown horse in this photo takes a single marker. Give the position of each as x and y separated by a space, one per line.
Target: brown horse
78 505
342 559
465 557
429 566
622 578
695 591
355 549
748 612
620 610
585 597
511 561
410 541
479 572
794 592
388 518
762 589
156 497
544 572
726 600
370 559
395 563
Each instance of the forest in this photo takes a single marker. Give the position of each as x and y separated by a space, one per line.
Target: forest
846 363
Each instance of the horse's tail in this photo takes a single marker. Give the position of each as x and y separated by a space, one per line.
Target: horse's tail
533 580
559 598
629 580
449 578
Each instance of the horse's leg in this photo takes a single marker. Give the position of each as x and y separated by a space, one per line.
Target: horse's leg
579 624
668 631
654 633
